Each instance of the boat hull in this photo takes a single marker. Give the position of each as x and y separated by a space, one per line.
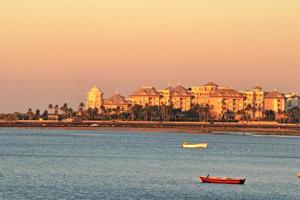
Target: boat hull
191 146
218 180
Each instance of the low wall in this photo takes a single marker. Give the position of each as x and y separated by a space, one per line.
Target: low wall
145 124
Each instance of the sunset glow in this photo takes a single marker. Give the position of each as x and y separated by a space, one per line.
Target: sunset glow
53 51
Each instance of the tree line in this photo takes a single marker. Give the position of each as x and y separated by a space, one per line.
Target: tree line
202 113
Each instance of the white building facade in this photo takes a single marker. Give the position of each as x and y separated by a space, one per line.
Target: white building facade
292 100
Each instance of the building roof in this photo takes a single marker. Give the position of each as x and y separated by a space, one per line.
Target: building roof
116 99
227 93
167 88
180 91
257 87
292 95
210 83
95 89
146 91
274 94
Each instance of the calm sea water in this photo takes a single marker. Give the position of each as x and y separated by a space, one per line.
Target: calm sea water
61 164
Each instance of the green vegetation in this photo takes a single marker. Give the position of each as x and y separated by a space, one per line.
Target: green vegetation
197 113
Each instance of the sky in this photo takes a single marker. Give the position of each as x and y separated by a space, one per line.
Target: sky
55 51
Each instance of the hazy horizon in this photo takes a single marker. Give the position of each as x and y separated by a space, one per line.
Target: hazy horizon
55 51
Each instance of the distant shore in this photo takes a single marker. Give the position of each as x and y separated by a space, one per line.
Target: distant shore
261 128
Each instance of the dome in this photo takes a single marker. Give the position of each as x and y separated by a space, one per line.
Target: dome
211 84
116 99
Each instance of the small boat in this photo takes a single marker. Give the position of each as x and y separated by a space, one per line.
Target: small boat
222 180
298 174
196 145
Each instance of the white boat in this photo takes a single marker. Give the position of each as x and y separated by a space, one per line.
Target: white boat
195 145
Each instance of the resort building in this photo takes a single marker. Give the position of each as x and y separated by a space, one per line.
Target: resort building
146 96
254 102
166 95
94 98
181 98
292 101
274 101
226 103
202 93
116 103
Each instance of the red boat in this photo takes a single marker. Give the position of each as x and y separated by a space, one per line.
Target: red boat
221 180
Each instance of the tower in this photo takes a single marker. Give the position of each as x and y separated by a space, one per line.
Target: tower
94 98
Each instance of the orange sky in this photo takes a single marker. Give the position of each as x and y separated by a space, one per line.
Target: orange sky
54 51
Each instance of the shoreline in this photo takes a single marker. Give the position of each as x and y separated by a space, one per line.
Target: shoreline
258 128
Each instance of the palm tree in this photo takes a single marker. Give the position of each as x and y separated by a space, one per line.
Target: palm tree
64 109
95 112
45 115
207 109
89 113
30 114
102 109
80 109
69 113
145 113
223 110
50 108
254 109
37 114
156 112
107 113
163 112
211 114
202 113
229 115
135 111
118 110
166 110
269 115
56 109
92 113
260 111
248 109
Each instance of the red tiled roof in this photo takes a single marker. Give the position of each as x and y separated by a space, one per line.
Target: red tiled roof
257 87
229 93
146 91
274 94
168 88
180 91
